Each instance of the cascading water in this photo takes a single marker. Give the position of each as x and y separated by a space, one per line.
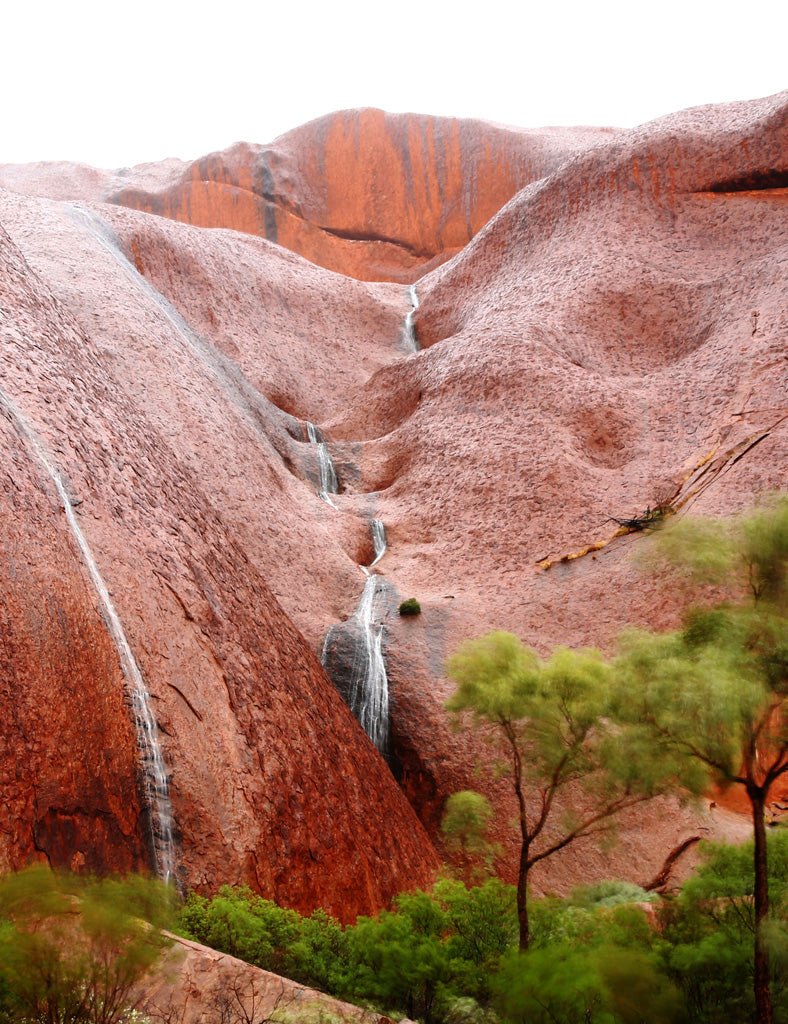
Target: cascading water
378 541
154 772
325 465
409 330
368 693
353 652
361 671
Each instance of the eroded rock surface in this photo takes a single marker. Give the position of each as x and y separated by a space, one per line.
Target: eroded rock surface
197 985
251 728
374 195
614 335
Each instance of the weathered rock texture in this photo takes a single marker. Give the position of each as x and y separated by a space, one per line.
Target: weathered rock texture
252 729
614 334
197 985
377 196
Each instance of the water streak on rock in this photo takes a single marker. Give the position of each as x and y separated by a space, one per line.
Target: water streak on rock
154 771
378 541
325 465
409 331
368 692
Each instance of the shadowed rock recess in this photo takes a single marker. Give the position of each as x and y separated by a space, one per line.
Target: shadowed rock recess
234 439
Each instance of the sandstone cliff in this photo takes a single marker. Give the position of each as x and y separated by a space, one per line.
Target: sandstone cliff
374 195
614 334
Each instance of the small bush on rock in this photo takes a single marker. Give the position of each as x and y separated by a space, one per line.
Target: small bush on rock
410 607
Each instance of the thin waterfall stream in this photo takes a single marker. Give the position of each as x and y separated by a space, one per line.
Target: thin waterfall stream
364 682
409 330
352 653
325 465
154 772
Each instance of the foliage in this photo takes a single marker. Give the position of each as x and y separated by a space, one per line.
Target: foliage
399 959
244 925
550 725
72 949
419 958
449 955
410 606
565 984
711 696
310 950
466 820
611 893
708 933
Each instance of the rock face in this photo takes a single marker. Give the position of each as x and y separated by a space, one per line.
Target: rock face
197 985
377 196
250 725
612 336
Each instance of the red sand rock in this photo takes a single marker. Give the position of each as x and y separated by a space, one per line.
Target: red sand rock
251 726
614 326
608 330
374 195
194 983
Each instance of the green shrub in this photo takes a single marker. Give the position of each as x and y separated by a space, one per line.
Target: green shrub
410 607
72 949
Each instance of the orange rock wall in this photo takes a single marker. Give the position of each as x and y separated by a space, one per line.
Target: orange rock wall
252 731
615 331
377 196
68 754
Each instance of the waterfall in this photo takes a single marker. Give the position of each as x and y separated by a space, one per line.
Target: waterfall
368 693
378 540
409 331
353 653
154 772
328 476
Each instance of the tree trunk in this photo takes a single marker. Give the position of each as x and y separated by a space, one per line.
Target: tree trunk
761 986
522 899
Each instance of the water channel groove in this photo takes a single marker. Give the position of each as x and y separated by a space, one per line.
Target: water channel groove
409 330
153 769
357 665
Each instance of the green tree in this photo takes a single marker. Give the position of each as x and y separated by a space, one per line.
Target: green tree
708 932
549 725
712 694
465 823
481 926
72 949
245 925
569 984
399 958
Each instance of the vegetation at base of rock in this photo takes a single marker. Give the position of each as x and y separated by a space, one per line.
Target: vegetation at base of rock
711 697
465 824
549 726
450 955
72 949
672 711
410 606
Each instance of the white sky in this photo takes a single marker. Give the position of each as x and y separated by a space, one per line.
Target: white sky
112 85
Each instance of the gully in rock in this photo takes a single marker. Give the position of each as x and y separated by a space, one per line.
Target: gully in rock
409 330
325 465
353 653
154 772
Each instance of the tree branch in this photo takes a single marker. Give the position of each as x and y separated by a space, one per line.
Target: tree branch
586 828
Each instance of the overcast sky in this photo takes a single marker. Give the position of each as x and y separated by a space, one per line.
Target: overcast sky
113 85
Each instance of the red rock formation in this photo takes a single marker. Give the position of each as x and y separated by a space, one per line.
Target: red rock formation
611 335
377 196
68 756
252 729
195 984
613 328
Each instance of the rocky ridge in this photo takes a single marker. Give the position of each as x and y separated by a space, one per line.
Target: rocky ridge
614 334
